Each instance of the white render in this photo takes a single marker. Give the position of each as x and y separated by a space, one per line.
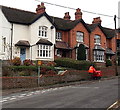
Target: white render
24 32
5 32
33 29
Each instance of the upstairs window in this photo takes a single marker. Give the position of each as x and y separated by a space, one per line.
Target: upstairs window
80 36
43 31
58 36
97 39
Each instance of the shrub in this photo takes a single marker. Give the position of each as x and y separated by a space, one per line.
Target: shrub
16 61
21 68
108 63
27 62
51 63
75 64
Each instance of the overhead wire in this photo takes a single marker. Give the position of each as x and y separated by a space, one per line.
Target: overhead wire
75 9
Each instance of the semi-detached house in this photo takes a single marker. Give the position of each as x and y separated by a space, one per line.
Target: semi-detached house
38 36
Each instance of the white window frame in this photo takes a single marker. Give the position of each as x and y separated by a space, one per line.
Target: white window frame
44 51
59 36
58 52
79 36
97 40
99 56
43 31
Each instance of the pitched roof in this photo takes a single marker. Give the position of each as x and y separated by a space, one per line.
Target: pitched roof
66 25
22 17
25 17
109 33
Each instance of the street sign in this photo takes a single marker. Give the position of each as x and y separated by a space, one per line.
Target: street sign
39 62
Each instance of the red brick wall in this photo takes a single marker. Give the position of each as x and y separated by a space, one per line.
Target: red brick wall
97 31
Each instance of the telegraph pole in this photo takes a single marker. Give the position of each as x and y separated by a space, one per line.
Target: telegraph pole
116 46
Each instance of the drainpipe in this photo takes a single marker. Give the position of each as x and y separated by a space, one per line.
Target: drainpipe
11 41
89 49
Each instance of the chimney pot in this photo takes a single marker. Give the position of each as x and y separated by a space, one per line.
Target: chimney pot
67 16
40 8
78 14
97 20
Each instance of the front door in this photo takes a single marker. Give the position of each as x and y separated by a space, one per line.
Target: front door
22 54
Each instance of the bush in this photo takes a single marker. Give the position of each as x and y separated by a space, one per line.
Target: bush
51 63
75 64
27 62
16 61
22 68
108 63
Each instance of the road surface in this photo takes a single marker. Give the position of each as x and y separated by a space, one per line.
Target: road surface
96 94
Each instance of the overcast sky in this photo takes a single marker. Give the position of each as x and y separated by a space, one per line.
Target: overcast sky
107 7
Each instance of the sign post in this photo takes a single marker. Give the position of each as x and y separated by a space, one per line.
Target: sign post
39 64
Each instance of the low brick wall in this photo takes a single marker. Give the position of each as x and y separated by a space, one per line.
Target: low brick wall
70 75
18 82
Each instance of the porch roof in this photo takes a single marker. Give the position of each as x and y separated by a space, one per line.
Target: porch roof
109 51
62 45
44 42
98 47
23 43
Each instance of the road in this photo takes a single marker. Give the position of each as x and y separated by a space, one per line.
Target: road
96 94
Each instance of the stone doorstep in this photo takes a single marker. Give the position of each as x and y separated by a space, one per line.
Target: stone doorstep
17 90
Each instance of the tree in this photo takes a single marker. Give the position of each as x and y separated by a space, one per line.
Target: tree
81 52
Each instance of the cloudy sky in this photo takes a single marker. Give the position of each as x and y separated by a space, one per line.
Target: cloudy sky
107 7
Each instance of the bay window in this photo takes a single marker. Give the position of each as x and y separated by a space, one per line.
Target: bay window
99 56
44 51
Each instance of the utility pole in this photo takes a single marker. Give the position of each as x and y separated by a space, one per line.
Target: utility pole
116 46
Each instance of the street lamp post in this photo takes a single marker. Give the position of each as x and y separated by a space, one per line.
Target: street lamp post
116 46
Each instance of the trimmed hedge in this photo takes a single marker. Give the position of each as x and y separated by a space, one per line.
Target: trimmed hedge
75 64
108 63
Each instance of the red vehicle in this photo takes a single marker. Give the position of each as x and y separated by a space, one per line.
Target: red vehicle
97 75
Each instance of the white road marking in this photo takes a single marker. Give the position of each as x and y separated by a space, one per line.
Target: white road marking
12 99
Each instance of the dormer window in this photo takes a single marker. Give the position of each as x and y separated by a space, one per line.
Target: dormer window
80 36
97 40
43 31
58 36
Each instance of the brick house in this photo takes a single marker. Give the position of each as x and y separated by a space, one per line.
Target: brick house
63 35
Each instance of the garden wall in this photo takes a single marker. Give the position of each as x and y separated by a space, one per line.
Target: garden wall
68 76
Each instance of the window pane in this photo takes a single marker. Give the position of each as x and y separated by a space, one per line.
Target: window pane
79 36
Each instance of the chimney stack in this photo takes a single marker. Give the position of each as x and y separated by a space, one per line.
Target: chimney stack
97 20
40 8
78 14
67 16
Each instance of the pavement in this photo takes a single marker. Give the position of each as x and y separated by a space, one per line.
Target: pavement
16 90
